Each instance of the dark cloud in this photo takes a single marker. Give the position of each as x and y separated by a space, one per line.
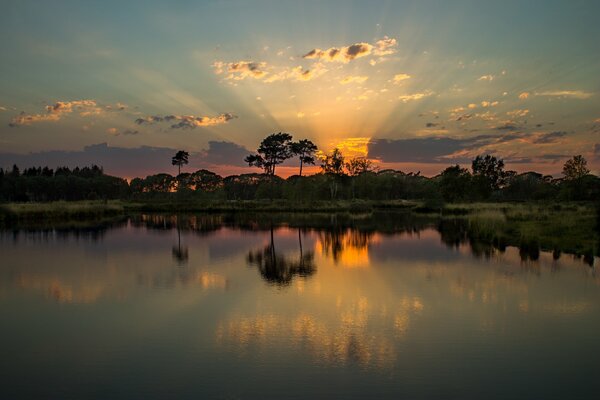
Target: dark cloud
551 137
597 151
507 127
131 162
433 149
431 124
225 153
427 150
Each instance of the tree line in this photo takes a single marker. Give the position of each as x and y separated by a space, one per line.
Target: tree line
340 178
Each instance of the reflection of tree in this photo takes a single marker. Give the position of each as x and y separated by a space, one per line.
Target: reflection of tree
180 255
278 268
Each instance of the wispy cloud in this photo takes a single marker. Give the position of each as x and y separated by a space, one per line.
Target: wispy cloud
400 77
517 113
297 73
57 110
488 78
414 96
353 79
575 94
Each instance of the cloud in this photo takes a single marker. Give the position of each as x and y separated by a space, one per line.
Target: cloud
486 104
61 107
186 121
428 149
385 46
517 113
346 54
524 96
507 126
56 111
224 153
3 108
297 73
400 77
551 137
597 151
343 54
575 94
241 70
488 78
27 119
435 149
353 79
415 96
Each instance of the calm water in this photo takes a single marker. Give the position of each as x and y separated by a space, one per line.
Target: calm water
210 307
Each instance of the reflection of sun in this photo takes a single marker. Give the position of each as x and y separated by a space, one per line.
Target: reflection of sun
349 249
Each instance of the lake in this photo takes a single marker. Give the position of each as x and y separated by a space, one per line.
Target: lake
217 306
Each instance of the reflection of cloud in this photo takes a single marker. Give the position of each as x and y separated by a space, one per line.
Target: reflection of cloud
524 96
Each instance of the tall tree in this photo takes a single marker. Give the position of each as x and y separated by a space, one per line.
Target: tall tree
305 150
273 150
575 168
180 159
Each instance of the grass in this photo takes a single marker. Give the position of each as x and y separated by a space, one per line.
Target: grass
565 227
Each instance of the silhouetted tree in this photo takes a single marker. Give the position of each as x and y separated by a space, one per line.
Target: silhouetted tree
359 165
273 150
333 163
305 150
575 168
489 175
180 159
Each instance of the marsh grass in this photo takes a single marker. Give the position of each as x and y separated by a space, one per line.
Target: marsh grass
60 210
568 227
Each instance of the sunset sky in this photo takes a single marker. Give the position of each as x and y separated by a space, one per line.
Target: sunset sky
415 85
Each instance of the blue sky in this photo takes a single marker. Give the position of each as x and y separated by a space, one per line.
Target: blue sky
431 82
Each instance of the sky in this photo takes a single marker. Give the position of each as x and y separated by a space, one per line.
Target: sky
412 85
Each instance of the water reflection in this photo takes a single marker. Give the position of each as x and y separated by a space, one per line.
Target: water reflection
253 299
279 268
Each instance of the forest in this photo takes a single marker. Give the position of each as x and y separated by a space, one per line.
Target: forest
340 178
